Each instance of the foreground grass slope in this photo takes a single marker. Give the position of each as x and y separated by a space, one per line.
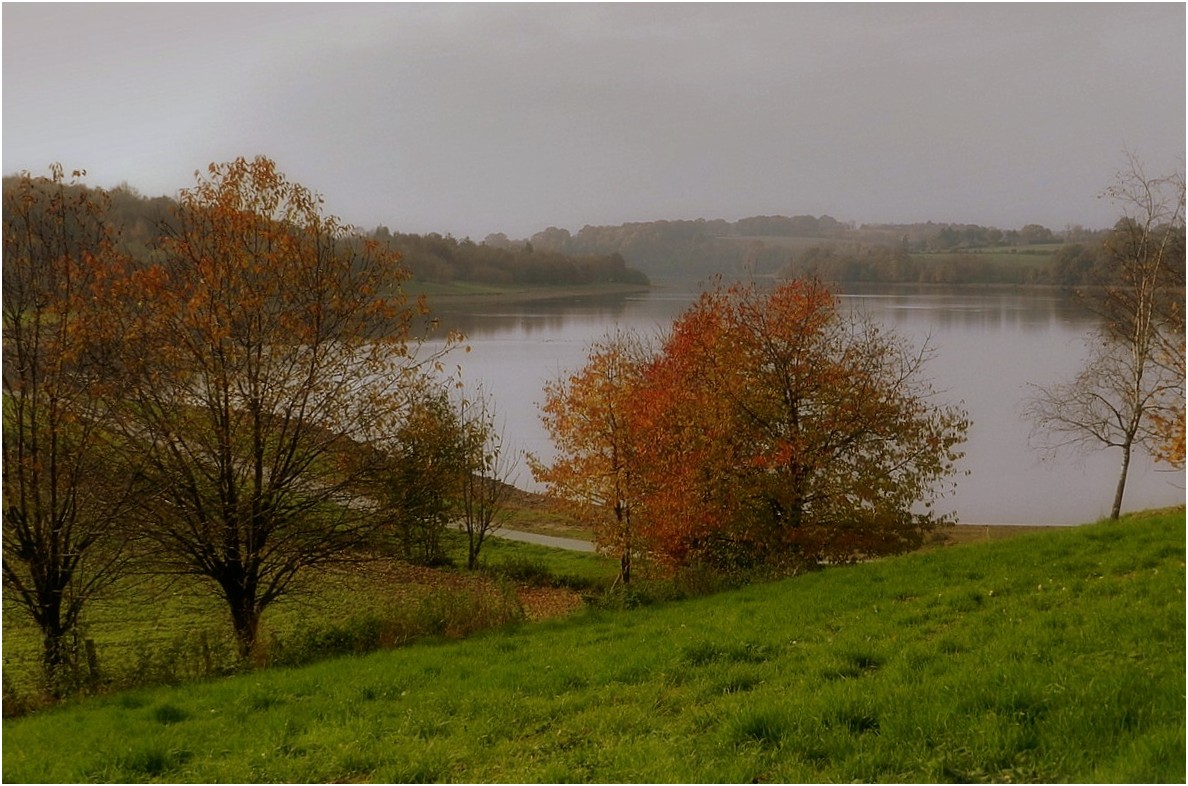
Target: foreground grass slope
1056 656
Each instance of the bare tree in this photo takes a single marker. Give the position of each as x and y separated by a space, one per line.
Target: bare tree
1110 404
487 473
62 499
1133 381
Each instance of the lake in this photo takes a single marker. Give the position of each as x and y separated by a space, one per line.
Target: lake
989 345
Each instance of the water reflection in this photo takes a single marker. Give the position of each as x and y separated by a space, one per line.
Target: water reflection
976 309
947 308
531 318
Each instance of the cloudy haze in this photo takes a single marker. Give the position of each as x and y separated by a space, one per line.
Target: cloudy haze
478 118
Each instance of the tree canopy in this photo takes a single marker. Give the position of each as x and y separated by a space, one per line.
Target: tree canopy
260 352
769 427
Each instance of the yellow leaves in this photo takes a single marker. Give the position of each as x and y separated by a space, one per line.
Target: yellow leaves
1169 435
588 416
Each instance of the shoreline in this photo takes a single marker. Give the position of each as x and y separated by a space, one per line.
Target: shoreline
461 294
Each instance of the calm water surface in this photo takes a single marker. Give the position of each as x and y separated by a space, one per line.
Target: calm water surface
989 345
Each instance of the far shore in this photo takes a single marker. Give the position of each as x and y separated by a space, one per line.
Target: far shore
455 294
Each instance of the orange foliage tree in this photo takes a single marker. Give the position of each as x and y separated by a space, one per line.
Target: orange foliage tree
62 501
588 416
785 429
263 351
1168 424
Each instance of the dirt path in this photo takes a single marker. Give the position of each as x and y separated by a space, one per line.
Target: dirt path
552 541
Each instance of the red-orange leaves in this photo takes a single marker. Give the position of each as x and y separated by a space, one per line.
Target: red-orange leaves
772 427
833 437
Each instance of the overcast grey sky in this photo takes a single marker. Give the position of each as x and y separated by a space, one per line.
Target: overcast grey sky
478 118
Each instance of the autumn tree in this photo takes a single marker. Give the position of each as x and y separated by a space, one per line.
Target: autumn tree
263 353
63 501
1130 393
777 428
487 468
588 416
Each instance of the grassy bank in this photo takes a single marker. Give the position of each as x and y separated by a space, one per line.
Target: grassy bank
1053 656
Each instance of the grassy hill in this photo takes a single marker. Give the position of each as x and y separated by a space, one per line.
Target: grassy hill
1053 656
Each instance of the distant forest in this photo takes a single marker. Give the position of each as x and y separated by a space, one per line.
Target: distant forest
779 246
142 221
438 258
841 252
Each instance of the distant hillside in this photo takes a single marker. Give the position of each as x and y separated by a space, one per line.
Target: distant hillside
630 253
821 246
142 221
438 259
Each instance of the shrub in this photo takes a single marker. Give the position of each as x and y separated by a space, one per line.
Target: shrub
453 615
525 570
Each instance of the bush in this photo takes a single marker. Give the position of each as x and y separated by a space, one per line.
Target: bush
524 570
452 615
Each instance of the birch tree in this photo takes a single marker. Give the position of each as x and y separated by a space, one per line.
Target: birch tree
1130 394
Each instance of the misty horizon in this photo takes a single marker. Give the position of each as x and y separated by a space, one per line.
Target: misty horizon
475 119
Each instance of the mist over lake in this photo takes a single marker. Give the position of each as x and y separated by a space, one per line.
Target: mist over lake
989 345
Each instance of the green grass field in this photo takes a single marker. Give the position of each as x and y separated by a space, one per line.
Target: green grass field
156 632
1053 656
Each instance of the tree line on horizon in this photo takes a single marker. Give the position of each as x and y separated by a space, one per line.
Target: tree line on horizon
141 223
437 258
783 246
1085 263
791 246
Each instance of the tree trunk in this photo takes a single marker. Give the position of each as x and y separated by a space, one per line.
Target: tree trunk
1116 510
623 519
54 659
245 618
475 542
